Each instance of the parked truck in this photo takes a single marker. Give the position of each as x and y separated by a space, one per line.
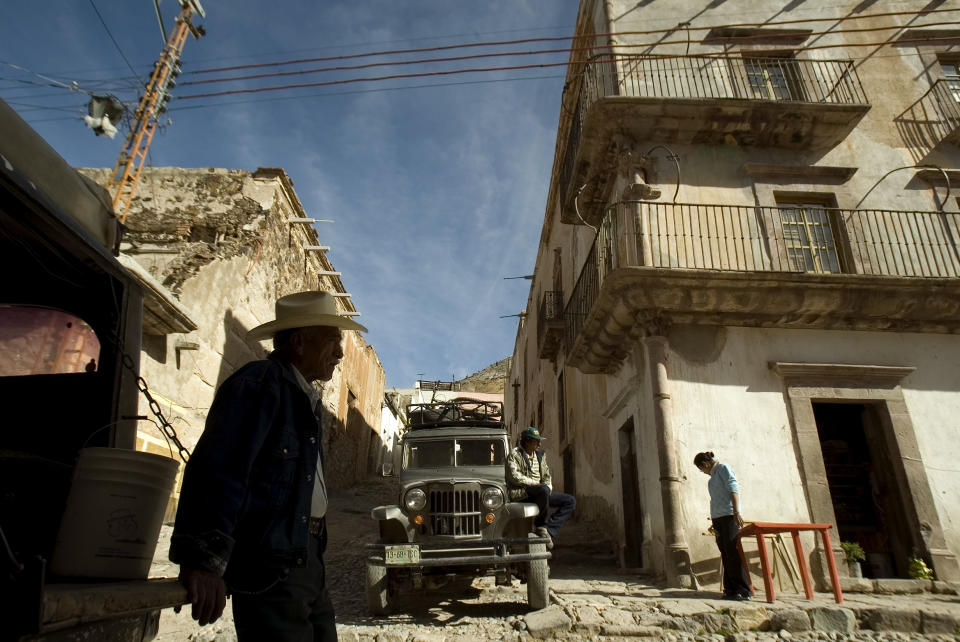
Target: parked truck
452 521
70 331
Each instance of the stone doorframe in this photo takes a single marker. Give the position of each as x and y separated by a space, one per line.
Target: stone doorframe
807 383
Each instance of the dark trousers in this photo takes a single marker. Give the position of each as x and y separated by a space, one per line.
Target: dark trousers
296 609
544 499
735 580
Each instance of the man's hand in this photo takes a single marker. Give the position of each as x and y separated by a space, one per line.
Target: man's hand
739 519
207 594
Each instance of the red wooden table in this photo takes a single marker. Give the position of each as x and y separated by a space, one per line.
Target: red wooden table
759 529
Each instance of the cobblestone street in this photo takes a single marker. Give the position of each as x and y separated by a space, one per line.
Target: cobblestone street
591 600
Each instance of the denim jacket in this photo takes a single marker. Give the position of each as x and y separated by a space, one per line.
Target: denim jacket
245 501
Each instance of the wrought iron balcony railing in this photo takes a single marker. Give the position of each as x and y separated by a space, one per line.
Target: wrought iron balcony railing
765 239
810 84
722 77
550 324
551 308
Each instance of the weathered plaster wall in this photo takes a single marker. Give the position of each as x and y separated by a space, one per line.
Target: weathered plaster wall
219 240
354 445
724 397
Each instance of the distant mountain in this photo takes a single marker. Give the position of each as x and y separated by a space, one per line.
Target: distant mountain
490 379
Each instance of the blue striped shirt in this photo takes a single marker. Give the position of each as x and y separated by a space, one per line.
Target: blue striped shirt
722 483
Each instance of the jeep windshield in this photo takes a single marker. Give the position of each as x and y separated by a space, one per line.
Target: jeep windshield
453 453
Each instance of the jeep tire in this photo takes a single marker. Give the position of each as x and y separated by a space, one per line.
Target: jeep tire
379 599
538 579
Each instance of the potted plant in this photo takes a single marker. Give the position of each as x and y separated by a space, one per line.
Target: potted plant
854 554
919 570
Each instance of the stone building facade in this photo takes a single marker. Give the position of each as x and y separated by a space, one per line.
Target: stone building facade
215 248
750 247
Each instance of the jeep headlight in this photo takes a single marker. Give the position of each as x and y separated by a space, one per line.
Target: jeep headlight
415 499
492 498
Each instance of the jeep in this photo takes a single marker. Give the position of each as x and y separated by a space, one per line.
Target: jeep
452 522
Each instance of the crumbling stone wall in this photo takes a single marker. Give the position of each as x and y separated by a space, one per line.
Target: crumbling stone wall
220 241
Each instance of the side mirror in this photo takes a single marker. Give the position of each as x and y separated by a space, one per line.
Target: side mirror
386 470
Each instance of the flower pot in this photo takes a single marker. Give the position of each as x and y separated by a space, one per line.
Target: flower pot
854 568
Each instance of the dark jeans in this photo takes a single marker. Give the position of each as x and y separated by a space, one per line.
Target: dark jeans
542 497
735 580
297 609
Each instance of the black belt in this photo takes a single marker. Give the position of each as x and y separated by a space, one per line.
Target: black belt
316 525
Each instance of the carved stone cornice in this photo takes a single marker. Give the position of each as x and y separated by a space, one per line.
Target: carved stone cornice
890 375
639 301
799 173
654 324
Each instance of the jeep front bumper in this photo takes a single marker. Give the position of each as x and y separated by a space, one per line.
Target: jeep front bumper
463 553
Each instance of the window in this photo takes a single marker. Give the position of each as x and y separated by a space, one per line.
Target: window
447 453
950 68
36 340
809 236
776 76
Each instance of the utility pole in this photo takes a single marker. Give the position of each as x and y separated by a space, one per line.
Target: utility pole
126 172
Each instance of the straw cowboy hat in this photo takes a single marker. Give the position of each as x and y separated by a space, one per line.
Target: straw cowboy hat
303 310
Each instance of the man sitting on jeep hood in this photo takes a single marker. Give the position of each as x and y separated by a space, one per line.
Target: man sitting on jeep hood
528 478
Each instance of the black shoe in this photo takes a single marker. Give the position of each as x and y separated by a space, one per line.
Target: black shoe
543 532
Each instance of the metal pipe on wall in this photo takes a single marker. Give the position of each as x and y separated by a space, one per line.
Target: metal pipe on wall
676 552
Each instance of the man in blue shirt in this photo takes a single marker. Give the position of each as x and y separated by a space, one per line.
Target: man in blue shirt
727 522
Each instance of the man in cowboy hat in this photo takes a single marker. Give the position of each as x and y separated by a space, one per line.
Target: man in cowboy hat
251 515
528 478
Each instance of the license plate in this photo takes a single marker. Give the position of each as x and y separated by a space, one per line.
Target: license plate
401 554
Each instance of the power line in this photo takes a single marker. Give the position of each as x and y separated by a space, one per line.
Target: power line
163 32
505 68
528 40
32 107
365 91
115 43
173 110
348 81
449 72
340 46
51 82
740 40
563 38
376 64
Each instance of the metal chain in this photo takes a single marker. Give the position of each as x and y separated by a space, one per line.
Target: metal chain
165 425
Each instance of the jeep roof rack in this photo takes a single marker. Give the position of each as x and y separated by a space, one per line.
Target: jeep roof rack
461 411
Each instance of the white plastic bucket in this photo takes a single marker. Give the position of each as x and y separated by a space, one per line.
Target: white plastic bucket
113 514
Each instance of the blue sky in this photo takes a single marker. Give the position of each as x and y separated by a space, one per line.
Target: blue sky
438 192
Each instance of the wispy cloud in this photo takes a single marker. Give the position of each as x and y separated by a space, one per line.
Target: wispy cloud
438 193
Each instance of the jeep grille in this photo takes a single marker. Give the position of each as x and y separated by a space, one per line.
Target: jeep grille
455 512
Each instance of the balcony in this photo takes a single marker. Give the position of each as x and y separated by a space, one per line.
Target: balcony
550 324
654 263
933 119
711 100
